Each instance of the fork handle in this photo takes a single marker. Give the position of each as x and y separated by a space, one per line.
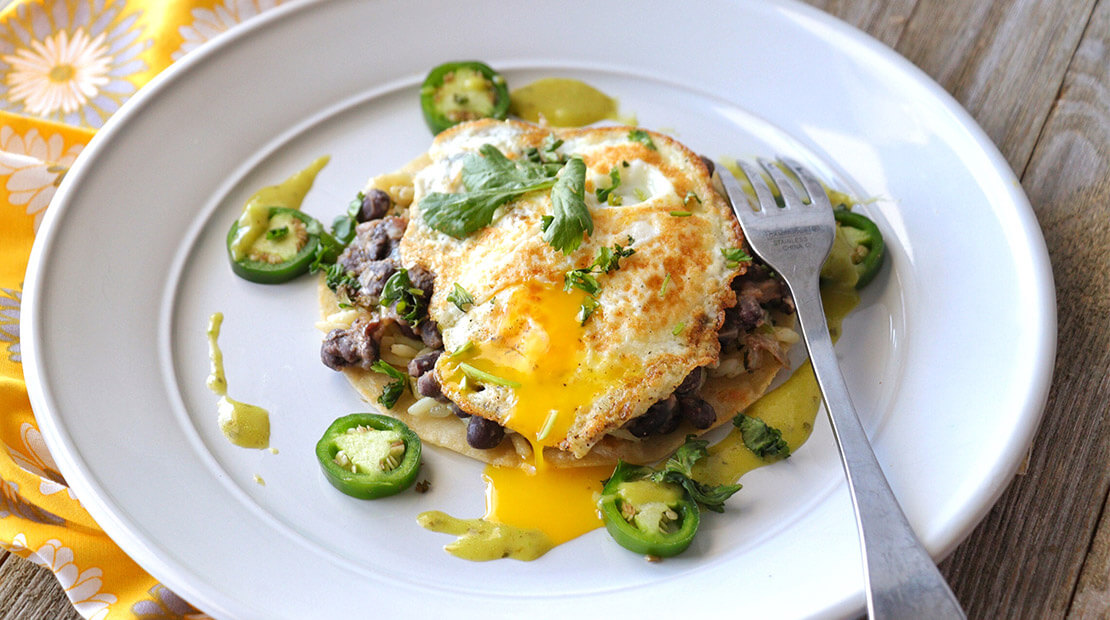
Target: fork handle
902 580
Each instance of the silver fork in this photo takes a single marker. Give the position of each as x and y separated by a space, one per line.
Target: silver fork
901 579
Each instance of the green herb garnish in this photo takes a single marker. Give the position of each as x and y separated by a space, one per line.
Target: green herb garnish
468 345
460 297
548 154
679 470
608 259
764 440
587 308
335 276
681 213
343 226
581 279
491 180
605 195
570 217
481 375
641 136
735 256
392 390
398 289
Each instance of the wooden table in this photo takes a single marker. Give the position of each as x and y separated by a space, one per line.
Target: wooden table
1036 75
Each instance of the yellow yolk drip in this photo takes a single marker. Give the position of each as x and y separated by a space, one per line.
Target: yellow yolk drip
560 502
537 347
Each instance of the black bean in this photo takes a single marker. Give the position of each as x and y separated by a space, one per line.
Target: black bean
729 334
459 413
692 383
407 331
428 385
423 363
353 259
429 334
659 419
422 279
749 313
699 413
348 347
484 434
374 276
382 236
375 204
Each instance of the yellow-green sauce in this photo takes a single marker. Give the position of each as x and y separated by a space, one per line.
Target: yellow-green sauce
480 540
562 102
244 425
255 218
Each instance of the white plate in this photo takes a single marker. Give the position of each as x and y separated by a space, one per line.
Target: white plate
949 356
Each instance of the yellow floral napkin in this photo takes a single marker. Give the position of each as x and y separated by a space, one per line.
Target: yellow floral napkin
65 67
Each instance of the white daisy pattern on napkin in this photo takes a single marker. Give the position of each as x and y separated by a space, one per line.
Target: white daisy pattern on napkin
34 165
69 60
81 586
33 457
207 23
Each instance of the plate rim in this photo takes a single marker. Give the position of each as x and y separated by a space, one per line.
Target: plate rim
52 427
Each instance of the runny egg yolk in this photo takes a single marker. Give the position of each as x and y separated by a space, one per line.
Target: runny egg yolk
538 348
560 502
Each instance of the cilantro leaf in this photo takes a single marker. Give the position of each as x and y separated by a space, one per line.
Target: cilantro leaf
399 289
492 169
584 279
491 180
392 390
343 226
610 260
641 136
679 469
336 276
581 279
765 441
604 194
570 216
460 297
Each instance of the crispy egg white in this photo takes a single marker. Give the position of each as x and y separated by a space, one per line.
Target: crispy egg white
656 318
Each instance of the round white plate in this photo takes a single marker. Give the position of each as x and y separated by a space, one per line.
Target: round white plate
948 357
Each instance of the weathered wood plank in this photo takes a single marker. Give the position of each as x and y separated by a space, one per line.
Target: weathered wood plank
1078 136
19 577
1024 560
1092 595
886 20
1004 61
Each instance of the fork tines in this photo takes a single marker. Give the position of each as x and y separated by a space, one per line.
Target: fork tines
788 187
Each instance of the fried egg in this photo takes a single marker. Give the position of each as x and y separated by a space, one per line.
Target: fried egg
569 383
